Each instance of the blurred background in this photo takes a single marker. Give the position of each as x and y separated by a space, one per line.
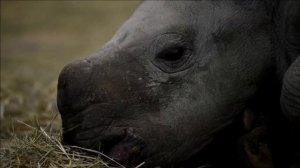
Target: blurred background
37 39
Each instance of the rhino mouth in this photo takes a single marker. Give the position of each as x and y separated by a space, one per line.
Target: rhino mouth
127 150
122 146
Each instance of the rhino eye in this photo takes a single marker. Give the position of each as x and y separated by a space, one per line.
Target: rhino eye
172 59
172 54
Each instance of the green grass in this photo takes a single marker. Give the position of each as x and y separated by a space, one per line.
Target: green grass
37 39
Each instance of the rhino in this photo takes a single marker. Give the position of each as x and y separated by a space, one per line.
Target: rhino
171 84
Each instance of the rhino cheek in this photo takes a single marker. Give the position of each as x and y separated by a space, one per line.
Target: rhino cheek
290 94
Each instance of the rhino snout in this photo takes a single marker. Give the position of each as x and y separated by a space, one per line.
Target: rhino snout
72 91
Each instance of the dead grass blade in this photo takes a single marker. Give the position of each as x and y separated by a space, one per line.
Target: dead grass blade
40 148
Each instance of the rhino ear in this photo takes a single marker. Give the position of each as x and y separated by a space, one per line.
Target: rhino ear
290 93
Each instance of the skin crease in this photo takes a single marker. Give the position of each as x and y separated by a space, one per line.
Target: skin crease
289 97
175 111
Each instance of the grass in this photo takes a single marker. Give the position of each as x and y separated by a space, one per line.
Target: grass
42 147
37 39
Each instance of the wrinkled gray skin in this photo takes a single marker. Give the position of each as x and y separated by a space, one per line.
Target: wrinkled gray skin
174 75
290 98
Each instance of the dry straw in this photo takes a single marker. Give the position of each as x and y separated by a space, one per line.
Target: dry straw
42 147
